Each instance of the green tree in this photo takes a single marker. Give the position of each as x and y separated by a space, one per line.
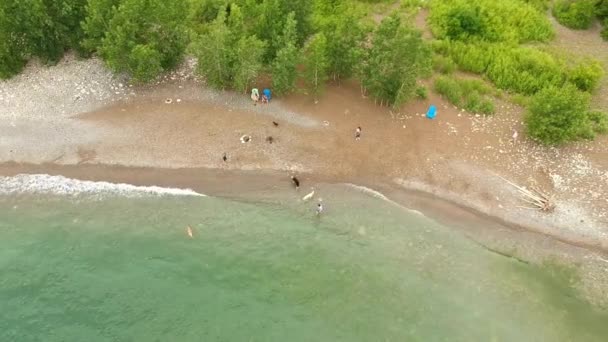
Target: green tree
155 24
284 66
247 61
37 28
397 57
214 53
97 23
557 114
342 26
315 64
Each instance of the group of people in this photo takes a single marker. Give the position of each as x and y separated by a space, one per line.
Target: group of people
255 96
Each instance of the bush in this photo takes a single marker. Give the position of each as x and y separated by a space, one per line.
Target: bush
575 14
598 121
604 32
489 20
468 93
557 115
449 88
422 93
444 65
586 76
524 70
541 5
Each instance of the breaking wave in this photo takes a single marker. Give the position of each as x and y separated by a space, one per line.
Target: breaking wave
381 196
62 186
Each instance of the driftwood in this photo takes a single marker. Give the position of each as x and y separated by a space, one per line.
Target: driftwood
534 197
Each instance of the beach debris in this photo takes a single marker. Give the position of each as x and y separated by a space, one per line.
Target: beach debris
534 197
269 139
325 123
276 124
189 232
168 101
308 196
245 139
178 100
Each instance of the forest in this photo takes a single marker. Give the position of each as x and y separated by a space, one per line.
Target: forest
319 41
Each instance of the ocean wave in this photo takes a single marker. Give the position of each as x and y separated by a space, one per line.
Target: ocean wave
63 186
379 195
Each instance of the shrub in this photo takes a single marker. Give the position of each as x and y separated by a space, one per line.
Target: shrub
444 65
449 88
523 70
489 20
422 93
468 93
586 75
601 9
576 14
541 5
556 115
604 32
598 121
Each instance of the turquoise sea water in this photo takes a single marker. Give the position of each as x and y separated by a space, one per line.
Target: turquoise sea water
123 269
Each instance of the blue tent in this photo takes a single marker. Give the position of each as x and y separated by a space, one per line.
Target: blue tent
267 93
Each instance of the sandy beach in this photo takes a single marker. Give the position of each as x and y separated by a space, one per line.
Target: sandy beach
173 133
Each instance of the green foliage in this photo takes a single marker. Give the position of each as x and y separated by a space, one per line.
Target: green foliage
601 9
576 14
468 94
397 56
586 75
450 89
96 23
247 62
523 70
556 115
37 28
443 64
489 20
422 93
156 24
272 20
541 5
315 64
598 121
213 53
284 66
341 24
604 32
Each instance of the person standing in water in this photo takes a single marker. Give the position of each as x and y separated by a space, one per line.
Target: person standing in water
319 208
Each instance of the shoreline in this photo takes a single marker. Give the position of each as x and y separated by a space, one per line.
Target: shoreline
248 184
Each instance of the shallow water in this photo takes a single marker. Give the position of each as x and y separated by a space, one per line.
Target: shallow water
122 269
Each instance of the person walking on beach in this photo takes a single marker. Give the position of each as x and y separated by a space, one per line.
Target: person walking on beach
358 133
296 182
225 157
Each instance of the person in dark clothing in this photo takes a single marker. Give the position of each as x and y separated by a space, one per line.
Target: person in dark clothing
295 182
225 157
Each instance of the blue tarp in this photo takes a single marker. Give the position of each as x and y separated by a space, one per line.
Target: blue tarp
432 112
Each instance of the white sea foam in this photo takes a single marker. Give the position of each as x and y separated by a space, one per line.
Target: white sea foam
379 195
59 185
